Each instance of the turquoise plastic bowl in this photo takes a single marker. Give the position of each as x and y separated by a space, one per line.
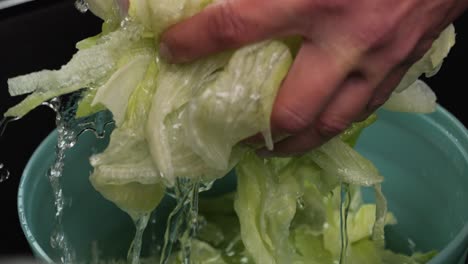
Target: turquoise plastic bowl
423 157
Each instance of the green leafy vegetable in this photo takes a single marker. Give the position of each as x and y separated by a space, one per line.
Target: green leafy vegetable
417 98
431 62
266 205
188 121
221 115
89 67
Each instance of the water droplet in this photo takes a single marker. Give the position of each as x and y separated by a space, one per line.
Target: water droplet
53 104
412 245
4 173
82 6
244 260
57 239
5 121
206 186
3 124
300 203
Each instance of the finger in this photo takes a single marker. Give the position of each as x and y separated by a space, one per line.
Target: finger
383 92
225 25
386 88
310 84
356 100
342 110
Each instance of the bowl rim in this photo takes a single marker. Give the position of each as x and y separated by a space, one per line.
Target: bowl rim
460 239
37 249
462 236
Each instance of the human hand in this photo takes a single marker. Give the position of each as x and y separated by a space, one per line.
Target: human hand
352 57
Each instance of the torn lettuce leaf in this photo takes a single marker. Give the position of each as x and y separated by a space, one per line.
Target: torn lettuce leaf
89 67
220 115
104 9
413 95
265 207
164 129
115 93
203 253
124 172
417 98
270 235
187 121
338 159
195 120
432 60
165 13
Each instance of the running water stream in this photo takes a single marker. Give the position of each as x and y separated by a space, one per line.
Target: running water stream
82 5
345 202
68 130
4 173
141 222
182 222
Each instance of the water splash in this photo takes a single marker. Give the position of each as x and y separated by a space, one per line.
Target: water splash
66 140
345 202
5 121
300 203
182 222
205 186
68 130
82 5
141 222
4 173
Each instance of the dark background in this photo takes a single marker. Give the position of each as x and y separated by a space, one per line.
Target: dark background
42 34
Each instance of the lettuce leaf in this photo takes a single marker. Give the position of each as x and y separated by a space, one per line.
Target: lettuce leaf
265 207
431 62
187 121
124 173
89 67
167 141
417 98
221 114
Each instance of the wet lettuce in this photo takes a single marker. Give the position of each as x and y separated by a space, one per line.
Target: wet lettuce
187 121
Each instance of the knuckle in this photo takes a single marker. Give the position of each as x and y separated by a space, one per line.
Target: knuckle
419 51
377 35
409 51
329 127
289 121
381 40
228 27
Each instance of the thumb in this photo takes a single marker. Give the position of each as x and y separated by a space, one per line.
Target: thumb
225 25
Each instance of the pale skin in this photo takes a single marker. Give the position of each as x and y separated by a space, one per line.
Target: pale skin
353 55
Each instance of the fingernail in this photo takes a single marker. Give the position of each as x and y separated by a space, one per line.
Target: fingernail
265 153
164 52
